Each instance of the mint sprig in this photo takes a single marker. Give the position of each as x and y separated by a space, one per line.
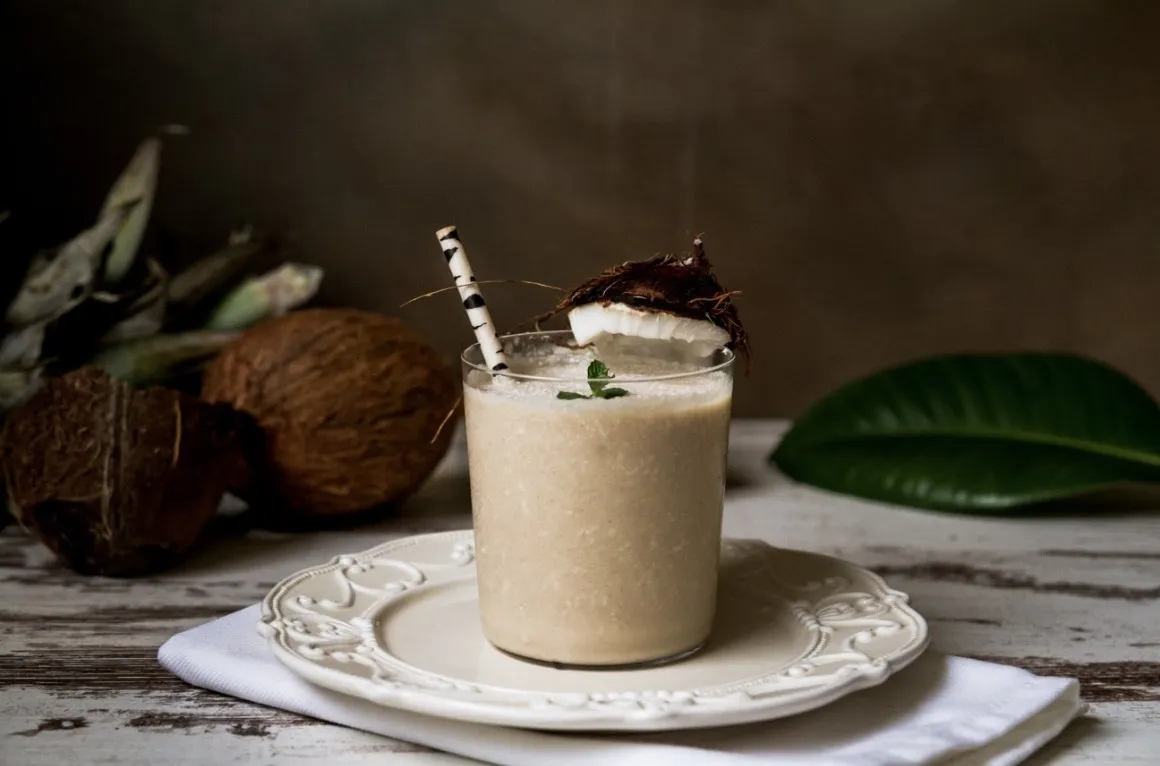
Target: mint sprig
597 372
598 377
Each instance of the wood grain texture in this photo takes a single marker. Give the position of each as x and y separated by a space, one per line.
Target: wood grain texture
1059 595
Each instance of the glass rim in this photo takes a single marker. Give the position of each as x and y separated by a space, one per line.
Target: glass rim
731 357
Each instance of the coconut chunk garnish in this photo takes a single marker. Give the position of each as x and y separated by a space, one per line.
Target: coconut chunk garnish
665 298
592 320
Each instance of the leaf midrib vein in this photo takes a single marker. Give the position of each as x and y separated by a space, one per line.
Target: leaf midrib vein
1022 437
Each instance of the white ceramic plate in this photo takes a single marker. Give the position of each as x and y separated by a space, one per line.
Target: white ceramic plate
398 625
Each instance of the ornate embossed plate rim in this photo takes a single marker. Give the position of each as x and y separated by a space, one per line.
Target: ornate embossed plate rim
761 697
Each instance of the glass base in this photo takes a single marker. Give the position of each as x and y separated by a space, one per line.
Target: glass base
638 665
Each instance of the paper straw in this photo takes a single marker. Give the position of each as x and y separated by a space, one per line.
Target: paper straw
473 302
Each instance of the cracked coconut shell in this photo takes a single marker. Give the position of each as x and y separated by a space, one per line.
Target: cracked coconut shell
114 480
349 405
682 286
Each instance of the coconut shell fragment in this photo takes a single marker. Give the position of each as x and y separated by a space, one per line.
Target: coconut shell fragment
350 406
114 480
684 286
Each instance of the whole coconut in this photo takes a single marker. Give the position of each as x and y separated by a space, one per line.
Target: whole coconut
117 481
348 403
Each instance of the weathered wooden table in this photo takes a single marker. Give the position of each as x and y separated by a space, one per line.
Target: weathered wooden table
1075 595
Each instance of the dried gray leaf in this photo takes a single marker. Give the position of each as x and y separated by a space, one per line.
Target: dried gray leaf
210 274
21 347
241 236
153 359
137 186
146 314
17 385
55 284
148 321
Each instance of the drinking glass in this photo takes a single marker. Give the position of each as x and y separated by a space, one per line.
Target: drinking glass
597 520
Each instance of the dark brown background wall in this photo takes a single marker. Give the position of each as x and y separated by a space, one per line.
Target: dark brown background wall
883 179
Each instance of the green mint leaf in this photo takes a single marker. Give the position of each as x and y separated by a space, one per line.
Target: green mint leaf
597 369
570 395
612 393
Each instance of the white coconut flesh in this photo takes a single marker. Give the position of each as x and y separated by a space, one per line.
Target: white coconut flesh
593 322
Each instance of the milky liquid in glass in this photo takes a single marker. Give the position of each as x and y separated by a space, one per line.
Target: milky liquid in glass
597 522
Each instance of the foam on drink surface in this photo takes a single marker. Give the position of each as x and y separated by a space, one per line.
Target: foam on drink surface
642 370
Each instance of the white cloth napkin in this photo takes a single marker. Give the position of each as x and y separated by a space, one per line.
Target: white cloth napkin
942 710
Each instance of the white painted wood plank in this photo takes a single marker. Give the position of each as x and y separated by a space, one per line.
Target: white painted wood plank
1059 594
169 737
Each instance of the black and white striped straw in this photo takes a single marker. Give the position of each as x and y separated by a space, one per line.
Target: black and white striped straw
473 302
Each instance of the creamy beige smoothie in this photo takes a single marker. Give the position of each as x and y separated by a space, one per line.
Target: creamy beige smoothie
598 520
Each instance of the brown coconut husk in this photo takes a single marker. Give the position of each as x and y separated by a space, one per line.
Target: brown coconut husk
348 403
116 481
684 286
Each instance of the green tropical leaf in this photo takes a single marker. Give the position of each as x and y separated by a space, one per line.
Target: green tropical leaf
978 433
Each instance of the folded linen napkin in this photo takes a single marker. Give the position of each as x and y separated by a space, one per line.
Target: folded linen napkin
940 710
